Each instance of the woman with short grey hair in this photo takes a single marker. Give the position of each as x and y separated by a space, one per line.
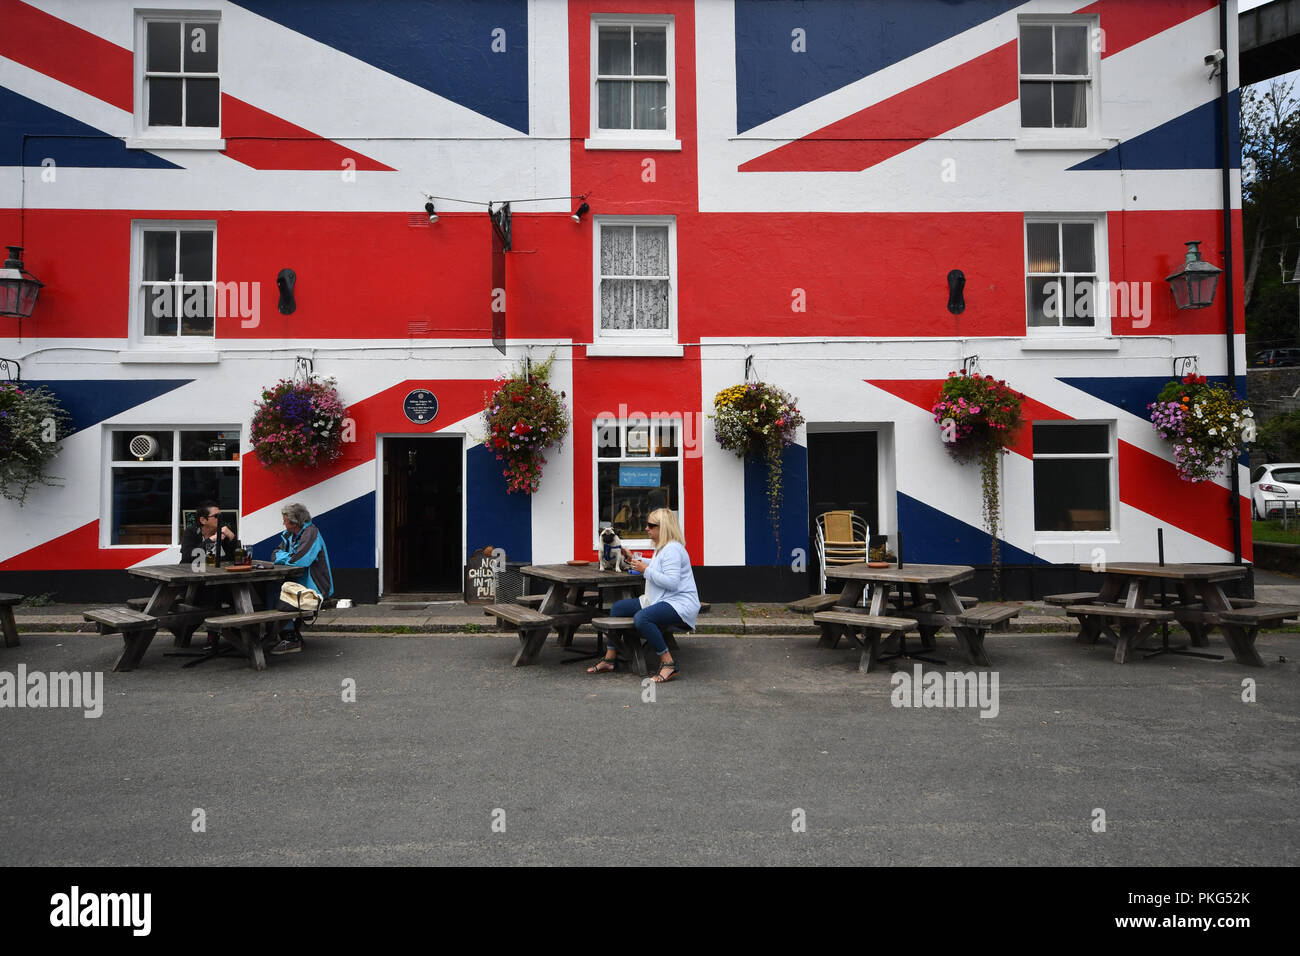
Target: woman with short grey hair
301 545
296 514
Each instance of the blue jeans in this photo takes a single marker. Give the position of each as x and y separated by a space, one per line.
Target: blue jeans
649 620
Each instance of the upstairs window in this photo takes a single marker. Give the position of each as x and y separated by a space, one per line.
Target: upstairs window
632 83
178 79
1057 67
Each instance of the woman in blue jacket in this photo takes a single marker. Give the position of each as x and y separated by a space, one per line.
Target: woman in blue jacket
301 545
671 599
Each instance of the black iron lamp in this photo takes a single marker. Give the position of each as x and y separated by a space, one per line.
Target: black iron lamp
1195 285
18 288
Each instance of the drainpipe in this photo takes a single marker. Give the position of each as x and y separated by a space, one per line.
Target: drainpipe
1225 150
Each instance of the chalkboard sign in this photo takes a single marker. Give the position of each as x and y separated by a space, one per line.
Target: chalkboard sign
420 406
480 579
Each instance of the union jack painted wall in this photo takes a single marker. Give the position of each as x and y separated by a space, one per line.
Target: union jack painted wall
809 170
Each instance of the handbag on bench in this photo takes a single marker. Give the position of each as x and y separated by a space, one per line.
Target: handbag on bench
302 599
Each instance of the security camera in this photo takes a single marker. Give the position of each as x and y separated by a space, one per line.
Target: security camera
1212 59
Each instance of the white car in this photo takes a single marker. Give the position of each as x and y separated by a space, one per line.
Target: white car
1272 486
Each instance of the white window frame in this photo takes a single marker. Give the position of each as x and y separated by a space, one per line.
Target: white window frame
1101 298
176 464
1111 453
634 341
642 543
140 298
1086 137
633 138
145 136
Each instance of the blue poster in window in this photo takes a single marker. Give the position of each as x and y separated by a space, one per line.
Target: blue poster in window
638 476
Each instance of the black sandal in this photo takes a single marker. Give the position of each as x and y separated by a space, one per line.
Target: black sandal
659 678
598 669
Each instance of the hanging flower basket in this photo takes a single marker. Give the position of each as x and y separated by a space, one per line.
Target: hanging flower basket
524 418
32 423
758 419
978 417
298 424
1207 424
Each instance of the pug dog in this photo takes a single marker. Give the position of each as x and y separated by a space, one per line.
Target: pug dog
611 551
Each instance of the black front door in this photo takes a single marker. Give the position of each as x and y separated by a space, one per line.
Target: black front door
422 515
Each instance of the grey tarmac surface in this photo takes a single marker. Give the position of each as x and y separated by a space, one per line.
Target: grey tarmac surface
444 732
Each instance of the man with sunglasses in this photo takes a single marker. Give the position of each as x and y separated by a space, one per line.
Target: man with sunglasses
208 534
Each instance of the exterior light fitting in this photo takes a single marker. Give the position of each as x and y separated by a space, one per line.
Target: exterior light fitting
1195 285
18 288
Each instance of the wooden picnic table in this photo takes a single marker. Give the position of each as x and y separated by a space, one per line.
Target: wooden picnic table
562 607
944 609
1128 599
183 599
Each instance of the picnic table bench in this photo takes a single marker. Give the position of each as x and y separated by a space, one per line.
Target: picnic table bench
248 632
136 627
871 627
7 623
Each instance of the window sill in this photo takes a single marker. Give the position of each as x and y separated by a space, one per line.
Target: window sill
162 142
634 350
1064 142
169 357
1065 344
642 143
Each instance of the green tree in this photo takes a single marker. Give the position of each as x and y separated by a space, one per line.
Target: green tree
1270 189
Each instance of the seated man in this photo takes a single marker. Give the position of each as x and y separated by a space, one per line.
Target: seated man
208 533
301 545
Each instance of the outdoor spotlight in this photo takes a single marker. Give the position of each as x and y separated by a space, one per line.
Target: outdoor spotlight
580 212
428 207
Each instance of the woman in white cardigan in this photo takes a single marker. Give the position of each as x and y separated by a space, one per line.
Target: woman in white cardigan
671 598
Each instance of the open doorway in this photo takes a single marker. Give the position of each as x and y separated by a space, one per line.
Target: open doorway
423 516
843 474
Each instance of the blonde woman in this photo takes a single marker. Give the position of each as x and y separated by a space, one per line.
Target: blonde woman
671 598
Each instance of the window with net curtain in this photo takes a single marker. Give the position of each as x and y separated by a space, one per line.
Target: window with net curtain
632 77
634 278
1055 73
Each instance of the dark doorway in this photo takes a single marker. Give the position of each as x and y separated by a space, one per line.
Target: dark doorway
842 474
422 515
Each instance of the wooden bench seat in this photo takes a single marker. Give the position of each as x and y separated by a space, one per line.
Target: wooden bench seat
533 601
1260 615
814 603
249 631
872 627
517 615
622 633
7 623
1076 597
1135 623
986 615
137 630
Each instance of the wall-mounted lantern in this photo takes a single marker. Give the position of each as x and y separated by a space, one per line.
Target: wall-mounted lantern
1195 285
18 288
